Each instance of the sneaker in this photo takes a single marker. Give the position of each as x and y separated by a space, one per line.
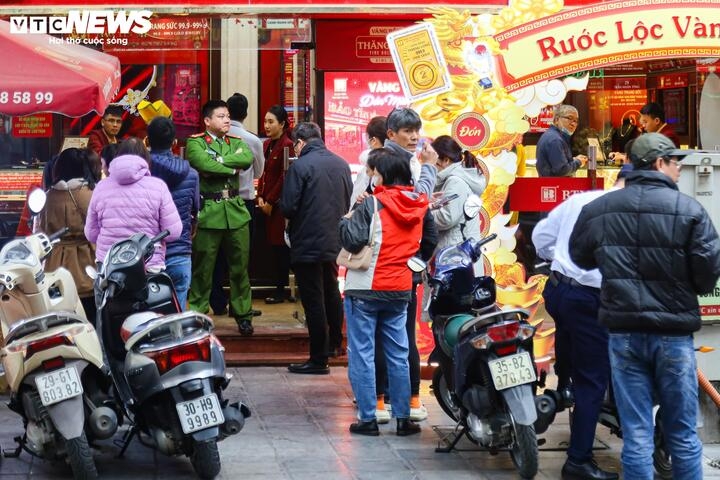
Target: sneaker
418 414
382 416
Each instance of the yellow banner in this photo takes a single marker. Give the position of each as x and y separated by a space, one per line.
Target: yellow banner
607 34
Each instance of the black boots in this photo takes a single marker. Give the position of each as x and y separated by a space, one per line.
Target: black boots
406 427
365 428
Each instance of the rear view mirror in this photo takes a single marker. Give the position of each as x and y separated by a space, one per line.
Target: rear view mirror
91 272
416 264
36 199
472 206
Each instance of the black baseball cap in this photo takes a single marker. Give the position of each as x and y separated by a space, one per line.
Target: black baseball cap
648 147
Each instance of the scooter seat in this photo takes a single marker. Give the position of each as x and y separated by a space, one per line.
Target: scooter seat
136 322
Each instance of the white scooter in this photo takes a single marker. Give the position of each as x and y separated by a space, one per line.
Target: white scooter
52 356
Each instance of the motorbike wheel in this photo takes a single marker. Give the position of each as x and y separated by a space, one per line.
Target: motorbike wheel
444 396
80 458
205 459
524 452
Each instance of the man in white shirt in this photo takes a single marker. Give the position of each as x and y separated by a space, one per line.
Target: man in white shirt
572 298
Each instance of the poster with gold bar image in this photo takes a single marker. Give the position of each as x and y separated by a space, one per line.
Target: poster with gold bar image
419 61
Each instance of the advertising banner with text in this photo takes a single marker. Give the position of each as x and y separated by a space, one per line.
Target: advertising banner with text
607 34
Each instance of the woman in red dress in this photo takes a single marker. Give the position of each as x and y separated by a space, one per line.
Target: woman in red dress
277 128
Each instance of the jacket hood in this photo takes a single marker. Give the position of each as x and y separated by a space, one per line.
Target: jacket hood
402 203
127 169
474 180
72 184
398 149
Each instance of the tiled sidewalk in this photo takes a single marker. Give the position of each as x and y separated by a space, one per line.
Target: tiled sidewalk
299 430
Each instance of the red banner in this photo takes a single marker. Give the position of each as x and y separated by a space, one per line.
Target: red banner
532 194
38 125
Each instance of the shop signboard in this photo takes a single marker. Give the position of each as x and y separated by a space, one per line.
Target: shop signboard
351 100
542 194
15 184
33 126
605 34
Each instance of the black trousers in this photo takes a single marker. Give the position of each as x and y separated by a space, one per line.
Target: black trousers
413 353
320 298
218 297
581 343
281 257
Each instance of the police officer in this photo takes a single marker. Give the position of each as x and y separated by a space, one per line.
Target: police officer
223 219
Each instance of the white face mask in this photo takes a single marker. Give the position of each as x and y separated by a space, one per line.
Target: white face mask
565 130
373 182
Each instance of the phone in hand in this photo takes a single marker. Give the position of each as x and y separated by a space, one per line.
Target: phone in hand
442 201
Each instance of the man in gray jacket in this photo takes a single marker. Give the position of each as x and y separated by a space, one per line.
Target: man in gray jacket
657 250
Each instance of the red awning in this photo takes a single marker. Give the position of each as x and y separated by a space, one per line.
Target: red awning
40 73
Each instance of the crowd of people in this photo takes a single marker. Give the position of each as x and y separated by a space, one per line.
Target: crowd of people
627 264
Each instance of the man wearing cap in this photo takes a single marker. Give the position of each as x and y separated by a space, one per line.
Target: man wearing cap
657 250
572 298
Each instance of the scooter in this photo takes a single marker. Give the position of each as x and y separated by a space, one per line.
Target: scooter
167 366
52 356
486 372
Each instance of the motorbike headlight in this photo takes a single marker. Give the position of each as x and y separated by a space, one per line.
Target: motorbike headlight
17 252
124 253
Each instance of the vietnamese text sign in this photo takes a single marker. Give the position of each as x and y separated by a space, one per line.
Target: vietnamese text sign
608 34
37 125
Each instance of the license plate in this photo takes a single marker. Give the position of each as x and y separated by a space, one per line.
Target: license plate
58 385
512 371
199 414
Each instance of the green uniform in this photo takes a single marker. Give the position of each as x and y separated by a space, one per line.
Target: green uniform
222 221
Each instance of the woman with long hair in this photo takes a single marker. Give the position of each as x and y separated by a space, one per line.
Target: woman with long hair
277 128
457 174
73 179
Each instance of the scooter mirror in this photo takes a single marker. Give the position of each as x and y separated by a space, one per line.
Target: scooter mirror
36 200
472 206
91 272
416 264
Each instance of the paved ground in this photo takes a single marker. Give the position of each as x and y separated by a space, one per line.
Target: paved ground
299 431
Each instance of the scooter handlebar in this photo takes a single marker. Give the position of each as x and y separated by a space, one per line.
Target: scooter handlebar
159 236
478 246
58 234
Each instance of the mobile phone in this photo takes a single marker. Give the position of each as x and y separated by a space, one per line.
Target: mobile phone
441 202
420 144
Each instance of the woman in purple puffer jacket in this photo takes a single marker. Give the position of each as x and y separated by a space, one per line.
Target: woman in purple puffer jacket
130 201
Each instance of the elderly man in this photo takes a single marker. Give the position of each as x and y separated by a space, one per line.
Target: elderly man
554 152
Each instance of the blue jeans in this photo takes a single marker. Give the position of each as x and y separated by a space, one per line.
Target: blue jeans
179 267
363 317
648 365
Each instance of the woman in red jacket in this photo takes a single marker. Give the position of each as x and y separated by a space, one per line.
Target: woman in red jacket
277 128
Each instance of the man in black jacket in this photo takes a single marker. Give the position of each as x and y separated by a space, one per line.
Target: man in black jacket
315 195
657 250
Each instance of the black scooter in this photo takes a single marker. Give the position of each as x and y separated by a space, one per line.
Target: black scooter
167 366
486 375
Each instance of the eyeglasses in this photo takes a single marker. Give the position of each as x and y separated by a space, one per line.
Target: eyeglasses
571 119
675 162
